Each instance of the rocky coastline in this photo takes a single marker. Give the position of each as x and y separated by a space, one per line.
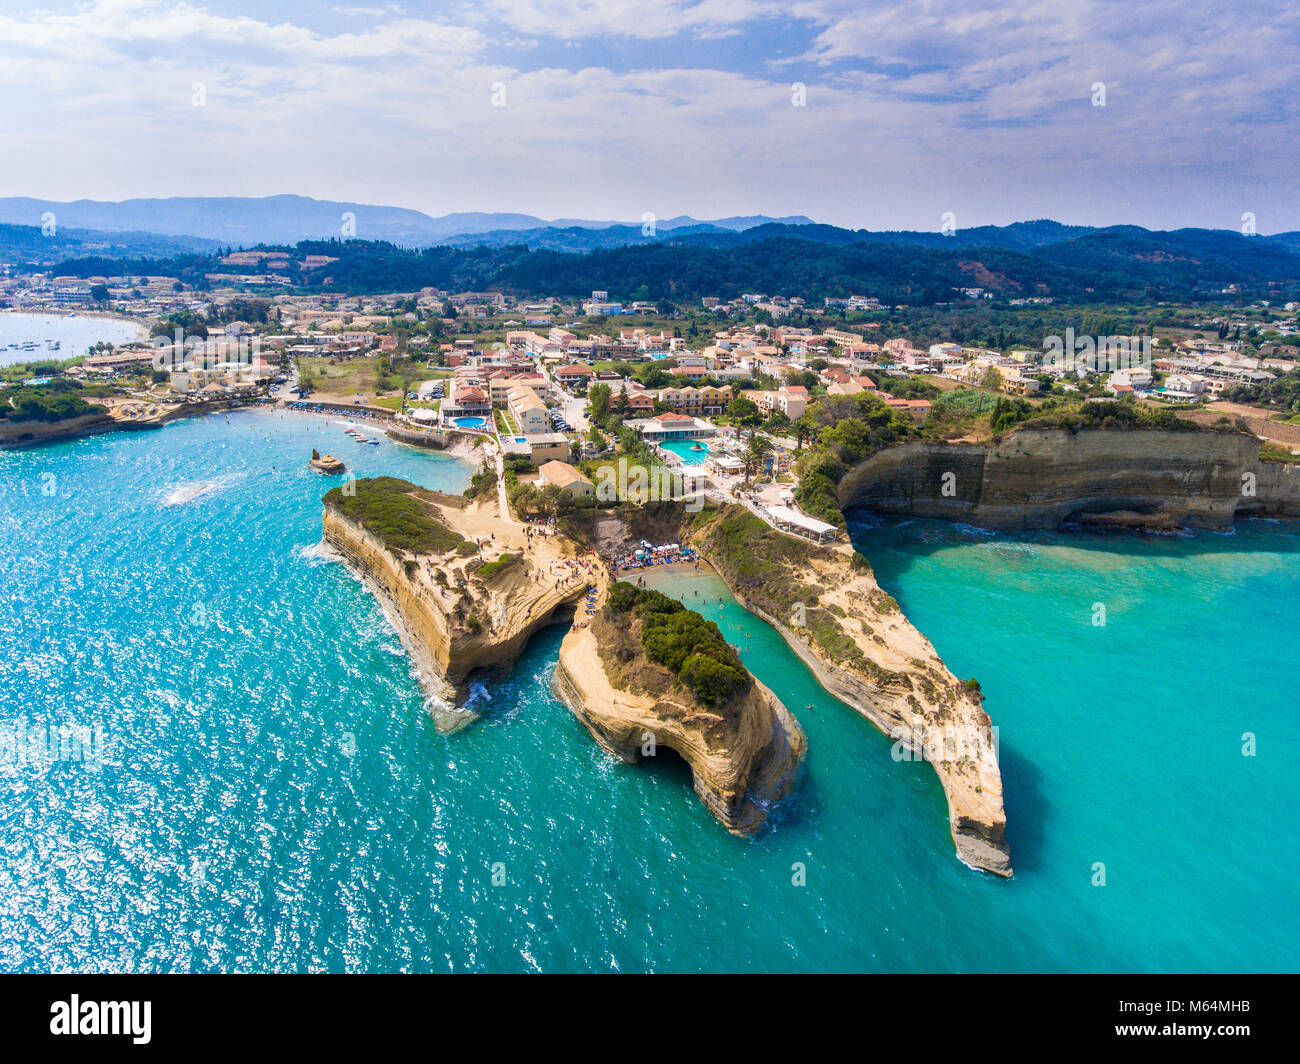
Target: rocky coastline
825 602
15 435
744 753
459 610
1053 478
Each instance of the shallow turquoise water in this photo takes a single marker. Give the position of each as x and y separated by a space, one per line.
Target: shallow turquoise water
276 797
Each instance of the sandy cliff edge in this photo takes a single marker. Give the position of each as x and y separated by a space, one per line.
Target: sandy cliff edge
444 652
895 678
744 757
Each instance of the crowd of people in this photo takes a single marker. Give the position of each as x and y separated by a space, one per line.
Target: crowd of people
649 555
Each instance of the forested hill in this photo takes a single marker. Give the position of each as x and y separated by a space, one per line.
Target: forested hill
1119 264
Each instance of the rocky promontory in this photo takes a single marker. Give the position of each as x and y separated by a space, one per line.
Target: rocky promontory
646 674
462 584
825 602
326 463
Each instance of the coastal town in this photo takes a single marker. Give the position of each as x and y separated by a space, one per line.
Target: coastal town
720 395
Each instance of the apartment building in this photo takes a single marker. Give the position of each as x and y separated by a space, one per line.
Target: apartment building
503 383
528 411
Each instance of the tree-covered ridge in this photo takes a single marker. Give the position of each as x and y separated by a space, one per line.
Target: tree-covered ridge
1105 266
690 647
841 432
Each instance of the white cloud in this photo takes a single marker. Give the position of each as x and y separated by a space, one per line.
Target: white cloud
645 19
371 12
910 111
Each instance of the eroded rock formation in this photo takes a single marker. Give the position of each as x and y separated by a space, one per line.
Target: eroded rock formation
744 754
825 602
1044 478
459 611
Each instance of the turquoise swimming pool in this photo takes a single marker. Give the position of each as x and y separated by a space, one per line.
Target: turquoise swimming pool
685 450
469 422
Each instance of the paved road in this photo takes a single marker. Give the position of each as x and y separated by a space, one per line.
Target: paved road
572 406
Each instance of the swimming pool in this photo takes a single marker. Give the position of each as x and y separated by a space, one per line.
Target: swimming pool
469 422
684 449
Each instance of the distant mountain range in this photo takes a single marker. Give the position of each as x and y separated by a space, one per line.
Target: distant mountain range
165 227
245 222
1119 264
31 243
394 249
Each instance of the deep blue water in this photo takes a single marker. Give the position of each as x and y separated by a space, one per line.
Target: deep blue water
275 796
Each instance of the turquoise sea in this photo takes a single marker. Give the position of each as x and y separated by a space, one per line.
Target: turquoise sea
274 795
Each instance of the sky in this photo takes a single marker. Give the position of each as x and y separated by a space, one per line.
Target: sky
1160 113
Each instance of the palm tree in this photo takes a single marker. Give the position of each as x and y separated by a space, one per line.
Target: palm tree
756 452
802 431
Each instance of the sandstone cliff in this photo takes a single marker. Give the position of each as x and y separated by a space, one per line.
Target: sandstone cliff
29 433
455 614
744 755
825 602
1044 478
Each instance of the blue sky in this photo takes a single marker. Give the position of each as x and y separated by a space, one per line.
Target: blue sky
614 109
